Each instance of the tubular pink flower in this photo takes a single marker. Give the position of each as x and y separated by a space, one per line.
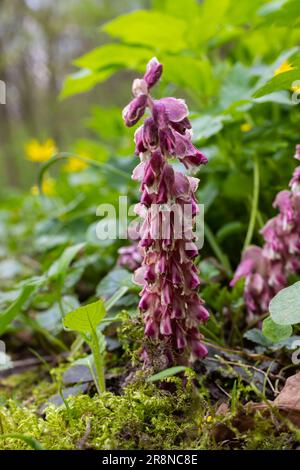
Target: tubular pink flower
171 307
266 270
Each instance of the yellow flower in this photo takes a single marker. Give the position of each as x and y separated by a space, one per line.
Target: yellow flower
209 419
40 152
284 67
246 127
48 188
74 164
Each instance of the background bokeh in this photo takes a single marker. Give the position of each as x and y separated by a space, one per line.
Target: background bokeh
38 41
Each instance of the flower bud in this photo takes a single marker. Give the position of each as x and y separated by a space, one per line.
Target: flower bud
153 72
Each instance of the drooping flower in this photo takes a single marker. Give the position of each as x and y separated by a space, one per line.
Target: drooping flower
246 127
40 151
266 270
172 309
130 257
74 165
48 187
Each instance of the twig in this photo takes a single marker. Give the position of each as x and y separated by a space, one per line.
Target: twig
221 360
81 443
254 206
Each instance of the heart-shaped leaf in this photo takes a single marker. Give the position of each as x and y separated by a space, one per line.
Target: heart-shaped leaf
85 319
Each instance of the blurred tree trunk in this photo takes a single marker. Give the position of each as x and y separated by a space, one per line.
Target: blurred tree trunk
27 97
6 134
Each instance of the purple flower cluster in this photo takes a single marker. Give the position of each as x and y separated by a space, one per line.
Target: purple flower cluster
172 309
130 257
266 270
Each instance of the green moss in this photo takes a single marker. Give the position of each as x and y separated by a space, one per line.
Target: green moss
27 387
144 417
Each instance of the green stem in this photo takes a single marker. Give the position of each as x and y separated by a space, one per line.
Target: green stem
217 250
33 443
66 155
260 220
210 334
254 207
98 360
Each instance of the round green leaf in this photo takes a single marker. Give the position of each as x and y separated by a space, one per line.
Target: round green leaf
275 332
285 306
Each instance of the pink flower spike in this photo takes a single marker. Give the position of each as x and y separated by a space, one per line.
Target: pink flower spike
266 270
170 304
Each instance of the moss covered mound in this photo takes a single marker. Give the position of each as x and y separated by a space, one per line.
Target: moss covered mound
144 417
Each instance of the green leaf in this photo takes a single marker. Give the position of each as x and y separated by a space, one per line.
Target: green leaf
236 89
116 297
84 80
114 55
209 21
237 185
188 10
114 280
280 97
50 319
149 28
282 81
241 13
255 335
291 343
270 7
208 194
286 15
275 332
107 122
30 441
166 373
60 267
228 229
85 319
14 309
285 306
199 77
206 126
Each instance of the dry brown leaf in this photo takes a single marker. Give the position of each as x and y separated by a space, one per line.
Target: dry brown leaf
288 400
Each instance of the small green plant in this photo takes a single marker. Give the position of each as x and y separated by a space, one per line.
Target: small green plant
164 374
85 320
284 312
